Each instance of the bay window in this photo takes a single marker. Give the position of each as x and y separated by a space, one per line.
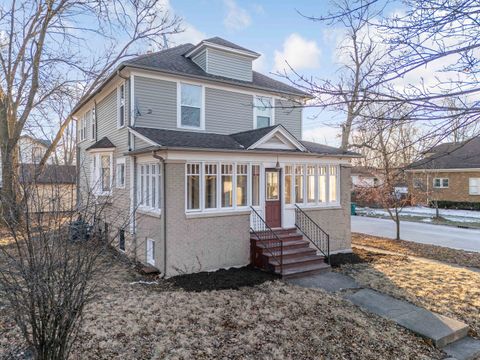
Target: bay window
193 186
149 187
210 186
299 184
227 186
190 109
255 185
242 179
263 110
101 173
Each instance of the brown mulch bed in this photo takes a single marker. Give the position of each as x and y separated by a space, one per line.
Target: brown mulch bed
439 253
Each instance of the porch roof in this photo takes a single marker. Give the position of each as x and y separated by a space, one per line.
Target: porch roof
162 138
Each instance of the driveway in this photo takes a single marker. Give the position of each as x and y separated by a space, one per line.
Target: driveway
448 236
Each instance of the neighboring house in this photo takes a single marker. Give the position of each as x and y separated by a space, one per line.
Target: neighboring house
448 172
193 149
54 189
363 176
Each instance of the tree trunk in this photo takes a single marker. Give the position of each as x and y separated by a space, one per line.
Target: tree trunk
397 223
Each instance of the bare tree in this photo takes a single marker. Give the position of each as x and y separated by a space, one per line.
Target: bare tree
50 264
49 47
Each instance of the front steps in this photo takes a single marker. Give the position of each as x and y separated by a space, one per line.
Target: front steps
298 259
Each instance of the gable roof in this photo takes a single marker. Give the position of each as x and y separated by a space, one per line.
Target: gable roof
103 143
161 138
51 174
464 155
222 42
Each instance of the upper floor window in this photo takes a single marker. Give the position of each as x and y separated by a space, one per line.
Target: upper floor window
93 122
191 99
121 106
263 110
120 175
82 125
440 183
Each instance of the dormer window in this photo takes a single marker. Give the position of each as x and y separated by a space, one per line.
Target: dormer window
263 111
191 109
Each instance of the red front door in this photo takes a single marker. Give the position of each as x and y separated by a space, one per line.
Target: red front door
273 205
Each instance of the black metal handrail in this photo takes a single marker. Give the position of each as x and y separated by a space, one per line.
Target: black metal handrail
313 232
264 233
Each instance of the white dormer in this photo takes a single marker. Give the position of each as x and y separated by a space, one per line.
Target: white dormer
219 57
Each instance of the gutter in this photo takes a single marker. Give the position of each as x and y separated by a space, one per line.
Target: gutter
164 215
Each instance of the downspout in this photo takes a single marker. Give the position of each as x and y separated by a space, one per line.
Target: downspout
164 214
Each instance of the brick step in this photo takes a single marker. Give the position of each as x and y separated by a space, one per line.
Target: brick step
297 262
303 270
287 245
281 237
291 253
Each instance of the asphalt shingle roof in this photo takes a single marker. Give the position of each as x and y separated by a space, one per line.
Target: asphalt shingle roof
51 174
465 155
103 143
219 41
173 61
236 141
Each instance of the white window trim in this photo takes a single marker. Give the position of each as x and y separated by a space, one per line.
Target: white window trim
95 173
93 123
150 254
157 211
119 87
82 127
179 107
441 183
120 161
272 117
470 186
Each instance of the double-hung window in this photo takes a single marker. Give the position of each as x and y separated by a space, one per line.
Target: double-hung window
210 186
322 184
193 186
474 186
102 164
190 109
93 122
440 183
242 184
263 110
82 126
121 106
299 175
227 185
288 184
149 187
332 184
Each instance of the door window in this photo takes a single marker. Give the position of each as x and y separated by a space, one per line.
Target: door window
272 185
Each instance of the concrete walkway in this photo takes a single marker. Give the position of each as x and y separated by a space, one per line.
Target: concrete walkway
447 236
446 333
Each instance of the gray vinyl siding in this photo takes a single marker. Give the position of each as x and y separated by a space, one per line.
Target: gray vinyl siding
201 60
156 103
288 114
227 112
229 65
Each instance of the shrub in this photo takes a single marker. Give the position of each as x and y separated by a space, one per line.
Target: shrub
461 205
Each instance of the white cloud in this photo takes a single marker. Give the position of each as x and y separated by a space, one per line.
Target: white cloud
328 135
299 52
260 64
236 18
258 8
190 33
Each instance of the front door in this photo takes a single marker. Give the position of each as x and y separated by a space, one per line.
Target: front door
273 206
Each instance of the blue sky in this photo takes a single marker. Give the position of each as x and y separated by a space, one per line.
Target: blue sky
278 32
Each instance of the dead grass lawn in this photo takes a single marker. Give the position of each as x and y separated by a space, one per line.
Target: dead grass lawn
440 253
446 289
272 320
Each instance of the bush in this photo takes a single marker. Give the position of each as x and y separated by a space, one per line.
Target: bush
461 205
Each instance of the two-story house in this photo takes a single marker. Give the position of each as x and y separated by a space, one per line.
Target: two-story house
205 158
